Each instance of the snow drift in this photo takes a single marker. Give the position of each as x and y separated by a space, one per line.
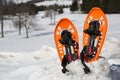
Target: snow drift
44 64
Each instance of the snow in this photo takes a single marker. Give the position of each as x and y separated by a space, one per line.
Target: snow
36 58
48 3
20 1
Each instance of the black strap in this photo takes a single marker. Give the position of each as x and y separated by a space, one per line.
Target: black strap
64 64
86 69
67 41
93 28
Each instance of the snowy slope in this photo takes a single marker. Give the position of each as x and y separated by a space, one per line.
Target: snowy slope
48 3
36 58
20 1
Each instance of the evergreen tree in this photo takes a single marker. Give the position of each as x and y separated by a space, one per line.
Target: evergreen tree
3 2
10 2
74 6
114 6
104 5
88 4
61 11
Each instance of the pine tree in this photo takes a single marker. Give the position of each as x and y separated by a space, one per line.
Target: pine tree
88 4
74 6
104 5
3 2
114 6
61 11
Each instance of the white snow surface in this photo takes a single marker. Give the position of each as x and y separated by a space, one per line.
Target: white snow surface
20 1
48 3
36 58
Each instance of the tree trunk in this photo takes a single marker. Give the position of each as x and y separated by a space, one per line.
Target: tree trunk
54 18
26 26
51 16
19 24
27 36
2 23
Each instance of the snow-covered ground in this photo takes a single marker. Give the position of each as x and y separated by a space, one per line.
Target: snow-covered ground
36 58
20 1
48 3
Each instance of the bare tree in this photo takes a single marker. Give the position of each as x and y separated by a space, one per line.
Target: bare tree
2 32
19 22
26 24
5 9
52 15
2 12
23 11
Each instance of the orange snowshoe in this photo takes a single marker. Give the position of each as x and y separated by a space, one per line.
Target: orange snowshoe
94 29
94 32
66 40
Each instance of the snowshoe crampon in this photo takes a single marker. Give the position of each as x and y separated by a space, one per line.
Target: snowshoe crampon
94 32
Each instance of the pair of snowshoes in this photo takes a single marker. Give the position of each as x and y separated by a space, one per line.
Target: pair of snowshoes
67 41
